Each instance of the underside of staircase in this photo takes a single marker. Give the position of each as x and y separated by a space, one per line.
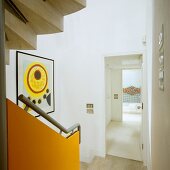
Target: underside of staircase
25 19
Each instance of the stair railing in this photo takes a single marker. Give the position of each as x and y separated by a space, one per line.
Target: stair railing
76 127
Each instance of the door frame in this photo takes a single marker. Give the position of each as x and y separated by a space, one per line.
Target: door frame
142 98
145 123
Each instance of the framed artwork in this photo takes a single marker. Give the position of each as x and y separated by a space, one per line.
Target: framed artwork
35 80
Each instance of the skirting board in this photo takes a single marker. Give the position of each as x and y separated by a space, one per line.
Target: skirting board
88 157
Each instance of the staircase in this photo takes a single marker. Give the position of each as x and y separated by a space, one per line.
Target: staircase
25 19
32 145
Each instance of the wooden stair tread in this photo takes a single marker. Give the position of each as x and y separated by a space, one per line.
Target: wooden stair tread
37 17
42 17
19 35
67 7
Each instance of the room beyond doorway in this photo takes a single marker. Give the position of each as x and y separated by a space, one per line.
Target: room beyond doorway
132 94
123 106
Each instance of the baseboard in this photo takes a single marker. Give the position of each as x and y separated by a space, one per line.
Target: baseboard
88 156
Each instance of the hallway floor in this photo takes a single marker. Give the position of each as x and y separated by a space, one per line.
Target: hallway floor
113 163
123 138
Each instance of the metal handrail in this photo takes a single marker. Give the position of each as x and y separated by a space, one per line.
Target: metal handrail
31 105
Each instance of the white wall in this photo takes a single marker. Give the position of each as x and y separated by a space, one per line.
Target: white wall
132 77
116 77
105 27
160 138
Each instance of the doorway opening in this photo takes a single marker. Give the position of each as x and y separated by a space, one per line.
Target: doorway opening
124 106
132 95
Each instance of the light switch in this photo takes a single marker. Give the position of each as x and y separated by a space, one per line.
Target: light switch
116 96
161 37
161 75
90 108
161 86
161 79
161 60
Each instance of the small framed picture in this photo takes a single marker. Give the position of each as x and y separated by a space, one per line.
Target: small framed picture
35 80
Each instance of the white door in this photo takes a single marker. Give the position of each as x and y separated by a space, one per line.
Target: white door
132 109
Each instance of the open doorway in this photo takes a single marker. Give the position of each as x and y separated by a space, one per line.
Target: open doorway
132 95
124 106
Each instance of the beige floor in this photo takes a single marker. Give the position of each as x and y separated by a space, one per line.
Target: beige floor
123 138
113 163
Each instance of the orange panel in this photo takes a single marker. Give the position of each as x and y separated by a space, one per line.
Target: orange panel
34 146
